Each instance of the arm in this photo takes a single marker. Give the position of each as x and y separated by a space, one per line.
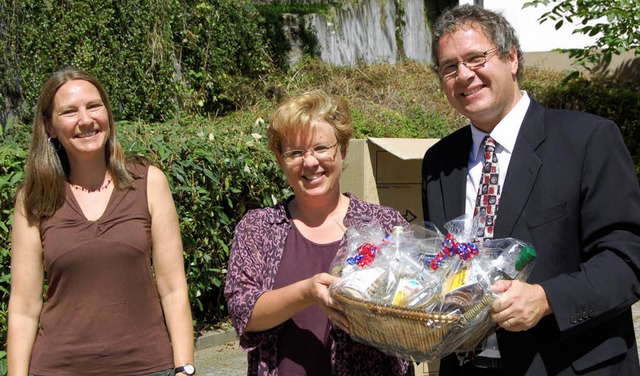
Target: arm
256 249
277 306
609 221
169 267
600 231
25 302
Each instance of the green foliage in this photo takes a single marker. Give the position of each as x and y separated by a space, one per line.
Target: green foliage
294 7
615 24
223 50
123 43
157 59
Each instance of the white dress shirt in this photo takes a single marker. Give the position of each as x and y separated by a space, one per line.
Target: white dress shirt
505 134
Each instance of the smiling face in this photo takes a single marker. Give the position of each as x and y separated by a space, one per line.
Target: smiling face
79 120
311 177
484 95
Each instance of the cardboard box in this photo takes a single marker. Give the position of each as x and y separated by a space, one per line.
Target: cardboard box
427 368
387 171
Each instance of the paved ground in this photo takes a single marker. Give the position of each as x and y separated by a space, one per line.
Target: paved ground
218 353
222 360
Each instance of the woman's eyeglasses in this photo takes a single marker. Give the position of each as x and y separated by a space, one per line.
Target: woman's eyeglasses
319 152
474 62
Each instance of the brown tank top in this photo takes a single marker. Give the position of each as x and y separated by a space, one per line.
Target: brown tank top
102 313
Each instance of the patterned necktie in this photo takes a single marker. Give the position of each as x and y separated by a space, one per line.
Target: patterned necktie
488 192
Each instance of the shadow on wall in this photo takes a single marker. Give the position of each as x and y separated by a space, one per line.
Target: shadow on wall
624 67
627 71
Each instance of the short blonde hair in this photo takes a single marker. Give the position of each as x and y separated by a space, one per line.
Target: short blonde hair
294 116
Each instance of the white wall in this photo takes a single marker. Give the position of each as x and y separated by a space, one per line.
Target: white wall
535 37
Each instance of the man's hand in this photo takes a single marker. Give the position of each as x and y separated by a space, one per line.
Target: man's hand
520 305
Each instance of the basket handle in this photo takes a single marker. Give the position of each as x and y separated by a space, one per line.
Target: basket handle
476 309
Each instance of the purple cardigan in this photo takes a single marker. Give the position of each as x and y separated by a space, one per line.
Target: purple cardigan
256 251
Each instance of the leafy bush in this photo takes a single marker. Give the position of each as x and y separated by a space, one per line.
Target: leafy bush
109 38
157 59
222 49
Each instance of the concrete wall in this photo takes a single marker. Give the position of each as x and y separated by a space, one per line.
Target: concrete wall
625 66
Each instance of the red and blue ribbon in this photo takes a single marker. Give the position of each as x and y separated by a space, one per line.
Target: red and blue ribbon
451 247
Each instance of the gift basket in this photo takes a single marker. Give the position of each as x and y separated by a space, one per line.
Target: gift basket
420 295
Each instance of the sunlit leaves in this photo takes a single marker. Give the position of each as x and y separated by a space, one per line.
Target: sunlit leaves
614 24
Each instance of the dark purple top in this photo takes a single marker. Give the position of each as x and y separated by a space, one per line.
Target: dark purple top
303 342
255 259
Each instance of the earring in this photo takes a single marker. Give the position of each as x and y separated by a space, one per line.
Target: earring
54 143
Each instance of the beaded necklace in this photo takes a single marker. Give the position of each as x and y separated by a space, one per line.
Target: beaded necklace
80 188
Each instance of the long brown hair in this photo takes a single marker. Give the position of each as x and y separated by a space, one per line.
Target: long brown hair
48 167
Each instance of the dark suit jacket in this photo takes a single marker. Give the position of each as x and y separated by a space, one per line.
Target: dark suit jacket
571 190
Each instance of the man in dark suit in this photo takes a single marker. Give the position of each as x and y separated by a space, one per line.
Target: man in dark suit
567 185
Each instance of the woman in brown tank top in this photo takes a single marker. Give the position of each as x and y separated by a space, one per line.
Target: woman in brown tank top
105 231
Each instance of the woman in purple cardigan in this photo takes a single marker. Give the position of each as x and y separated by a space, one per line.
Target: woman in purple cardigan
277 283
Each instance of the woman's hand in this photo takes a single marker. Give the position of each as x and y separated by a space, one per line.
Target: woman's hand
319 288
277 306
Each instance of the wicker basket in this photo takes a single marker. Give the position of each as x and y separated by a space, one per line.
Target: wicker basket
414 334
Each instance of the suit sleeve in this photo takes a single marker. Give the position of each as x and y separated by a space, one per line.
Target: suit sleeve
606 283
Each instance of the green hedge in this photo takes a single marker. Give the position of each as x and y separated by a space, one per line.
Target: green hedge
158 59
13 154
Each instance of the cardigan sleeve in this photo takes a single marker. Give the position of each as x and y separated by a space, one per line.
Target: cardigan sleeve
247 277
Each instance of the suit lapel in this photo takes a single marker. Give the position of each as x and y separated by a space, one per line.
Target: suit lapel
455 184
523 170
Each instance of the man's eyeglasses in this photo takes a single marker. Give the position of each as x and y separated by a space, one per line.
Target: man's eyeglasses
474 62
319 152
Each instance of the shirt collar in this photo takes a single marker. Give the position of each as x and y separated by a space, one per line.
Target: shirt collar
506 131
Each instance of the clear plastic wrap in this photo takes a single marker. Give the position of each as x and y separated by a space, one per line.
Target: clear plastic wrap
417 280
